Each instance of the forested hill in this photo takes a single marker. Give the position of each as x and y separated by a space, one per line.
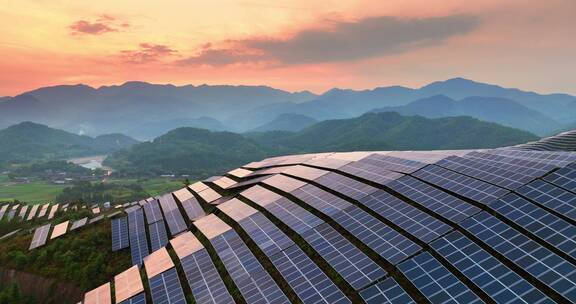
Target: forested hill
202 153
29 141
193 151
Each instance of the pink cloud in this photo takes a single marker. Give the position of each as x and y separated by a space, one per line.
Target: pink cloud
147 53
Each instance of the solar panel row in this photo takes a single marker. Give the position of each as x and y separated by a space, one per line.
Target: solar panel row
137 236
119 233
158 235
173 216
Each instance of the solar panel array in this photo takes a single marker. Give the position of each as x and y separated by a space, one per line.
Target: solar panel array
486 226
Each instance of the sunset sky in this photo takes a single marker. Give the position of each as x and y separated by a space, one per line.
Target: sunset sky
288 44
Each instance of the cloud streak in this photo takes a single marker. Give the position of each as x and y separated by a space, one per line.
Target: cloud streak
102 25
343 41
147 53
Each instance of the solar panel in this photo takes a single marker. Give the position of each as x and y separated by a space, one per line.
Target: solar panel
433 199
304 172
166 288
198 186
552 197
9 234
137 299
345 185
265 234
96 219
435 282
392 163
538 261
174 219
240 173
260 195
560 159
152 211
495 175
79 223
224 182
53 211
352 264
306 279
11 213
209 195
247 183
370 172
119 233
565 178
294 216
203 278
387 242
32 213
59 230
158 236
538 221
321 200
3 211
157 262
523 166
40 236
284 183
252 280
128 284
386 292
189 203
485 271
468 187
137 236
22 212
100 295
419 224
43 210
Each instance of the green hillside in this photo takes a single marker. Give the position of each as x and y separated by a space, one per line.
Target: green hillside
192 151
27 141
391 131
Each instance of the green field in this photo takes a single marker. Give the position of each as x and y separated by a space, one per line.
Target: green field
40 191
33 192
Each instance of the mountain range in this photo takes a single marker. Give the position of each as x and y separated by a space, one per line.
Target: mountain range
144 110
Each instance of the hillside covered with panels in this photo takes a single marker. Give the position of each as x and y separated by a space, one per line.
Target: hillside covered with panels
481 226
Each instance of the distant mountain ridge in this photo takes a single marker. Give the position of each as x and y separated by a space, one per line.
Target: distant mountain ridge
337 103
492 109
29 141
287 122
146 110
202 153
